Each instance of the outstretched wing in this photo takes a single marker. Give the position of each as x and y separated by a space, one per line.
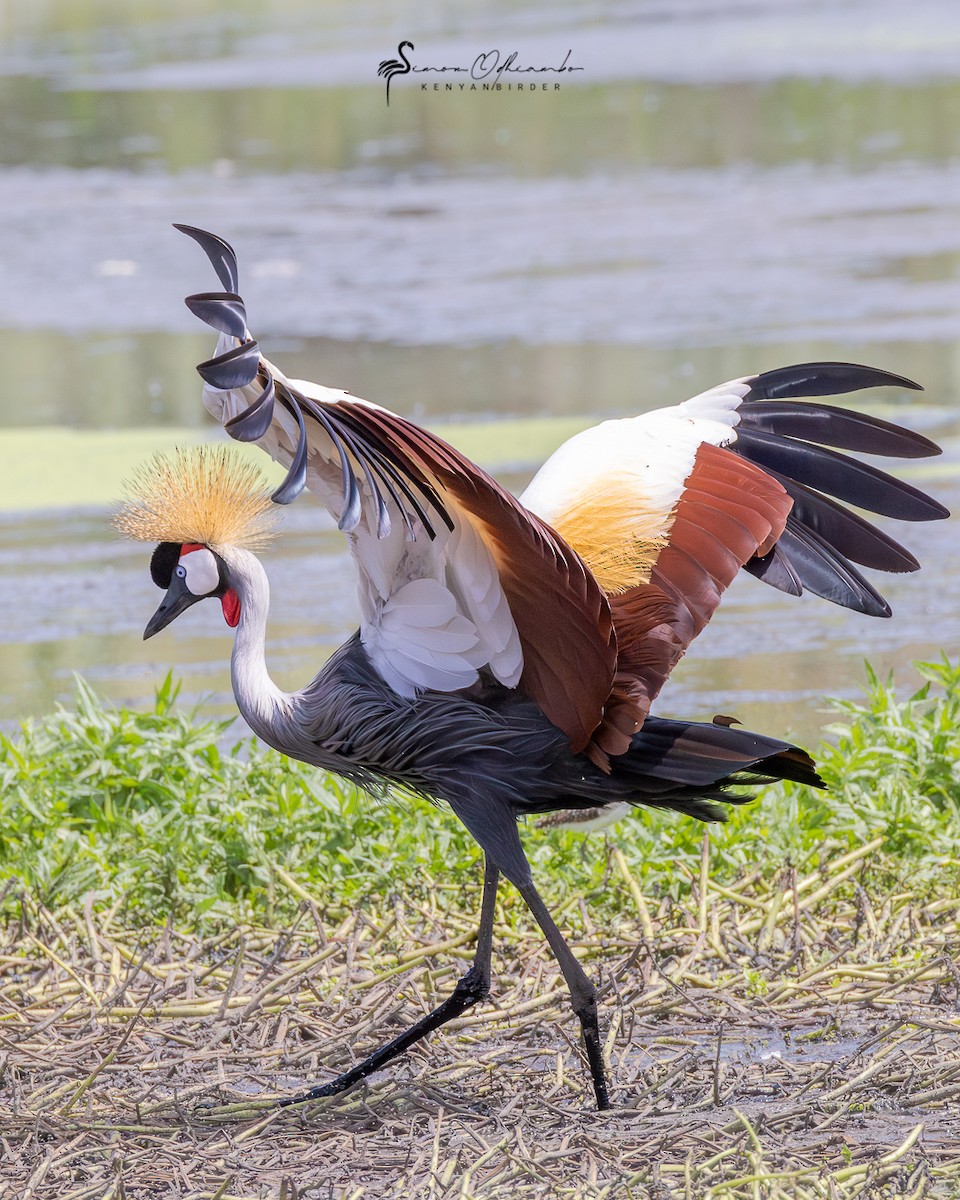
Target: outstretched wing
456 576
665 508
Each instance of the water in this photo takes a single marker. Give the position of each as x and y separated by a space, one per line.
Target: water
715 193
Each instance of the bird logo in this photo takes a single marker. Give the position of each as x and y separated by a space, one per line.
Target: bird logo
396 66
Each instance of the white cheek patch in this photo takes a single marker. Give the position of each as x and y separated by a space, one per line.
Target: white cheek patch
201 573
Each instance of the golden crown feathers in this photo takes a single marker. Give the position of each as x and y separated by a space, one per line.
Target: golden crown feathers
205 494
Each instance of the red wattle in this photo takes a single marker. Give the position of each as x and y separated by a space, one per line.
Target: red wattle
231 608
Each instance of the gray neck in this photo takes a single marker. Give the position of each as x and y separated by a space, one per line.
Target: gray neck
264 706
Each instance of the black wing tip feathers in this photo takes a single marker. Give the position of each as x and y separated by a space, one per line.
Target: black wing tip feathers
296 477
222 256
222 311
823 379
837 475
823 570
785 434
830 425
251 424
233 369
242 365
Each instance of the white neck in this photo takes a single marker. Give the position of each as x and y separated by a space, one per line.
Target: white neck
264 706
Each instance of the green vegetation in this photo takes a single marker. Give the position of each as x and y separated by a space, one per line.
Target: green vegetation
780 1011
151 815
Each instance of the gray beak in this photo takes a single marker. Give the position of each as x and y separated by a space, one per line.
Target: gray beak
177 600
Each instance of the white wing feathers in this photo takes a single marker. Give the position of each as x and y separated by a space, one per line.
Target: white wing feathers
644 459
418 639
715 410
432 611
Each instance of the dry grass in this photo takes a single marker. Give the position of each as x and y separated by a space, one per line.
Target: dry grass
799 1038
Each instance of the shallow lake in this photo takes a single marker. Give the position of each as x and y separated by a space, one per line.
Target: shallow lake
713 194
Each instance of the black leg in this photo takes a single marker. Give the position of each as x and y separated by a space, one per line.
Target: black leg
494 825
473 987
583 994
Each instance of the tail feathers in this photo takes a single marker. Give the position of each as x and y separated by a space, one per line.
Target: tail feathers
686 766
712 755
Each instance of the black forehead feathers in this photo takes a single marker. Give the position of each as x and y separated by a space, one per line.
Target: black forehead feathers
163 563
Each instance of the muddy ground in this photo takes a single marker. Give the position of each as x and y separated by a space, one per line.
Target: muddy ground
800 1039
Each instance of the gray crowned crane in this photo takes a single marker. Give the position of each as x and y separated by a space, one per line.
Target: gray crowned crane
510 650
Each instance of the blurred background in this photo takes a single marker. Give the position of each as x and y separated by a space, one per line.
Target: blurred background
718 190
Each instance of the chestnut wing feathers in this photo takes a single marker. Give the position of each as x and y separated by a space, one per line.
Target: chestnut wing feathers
562 616
721 482
587 591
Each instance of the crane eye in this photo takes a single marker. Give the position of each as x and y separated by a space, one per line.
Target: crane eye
181 572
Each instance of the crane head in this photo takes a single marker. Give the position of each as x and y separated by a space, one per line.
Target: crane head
189 573
200 504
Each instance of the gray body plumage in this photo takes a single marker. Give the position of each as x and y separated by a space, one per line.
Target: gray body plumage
490 748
